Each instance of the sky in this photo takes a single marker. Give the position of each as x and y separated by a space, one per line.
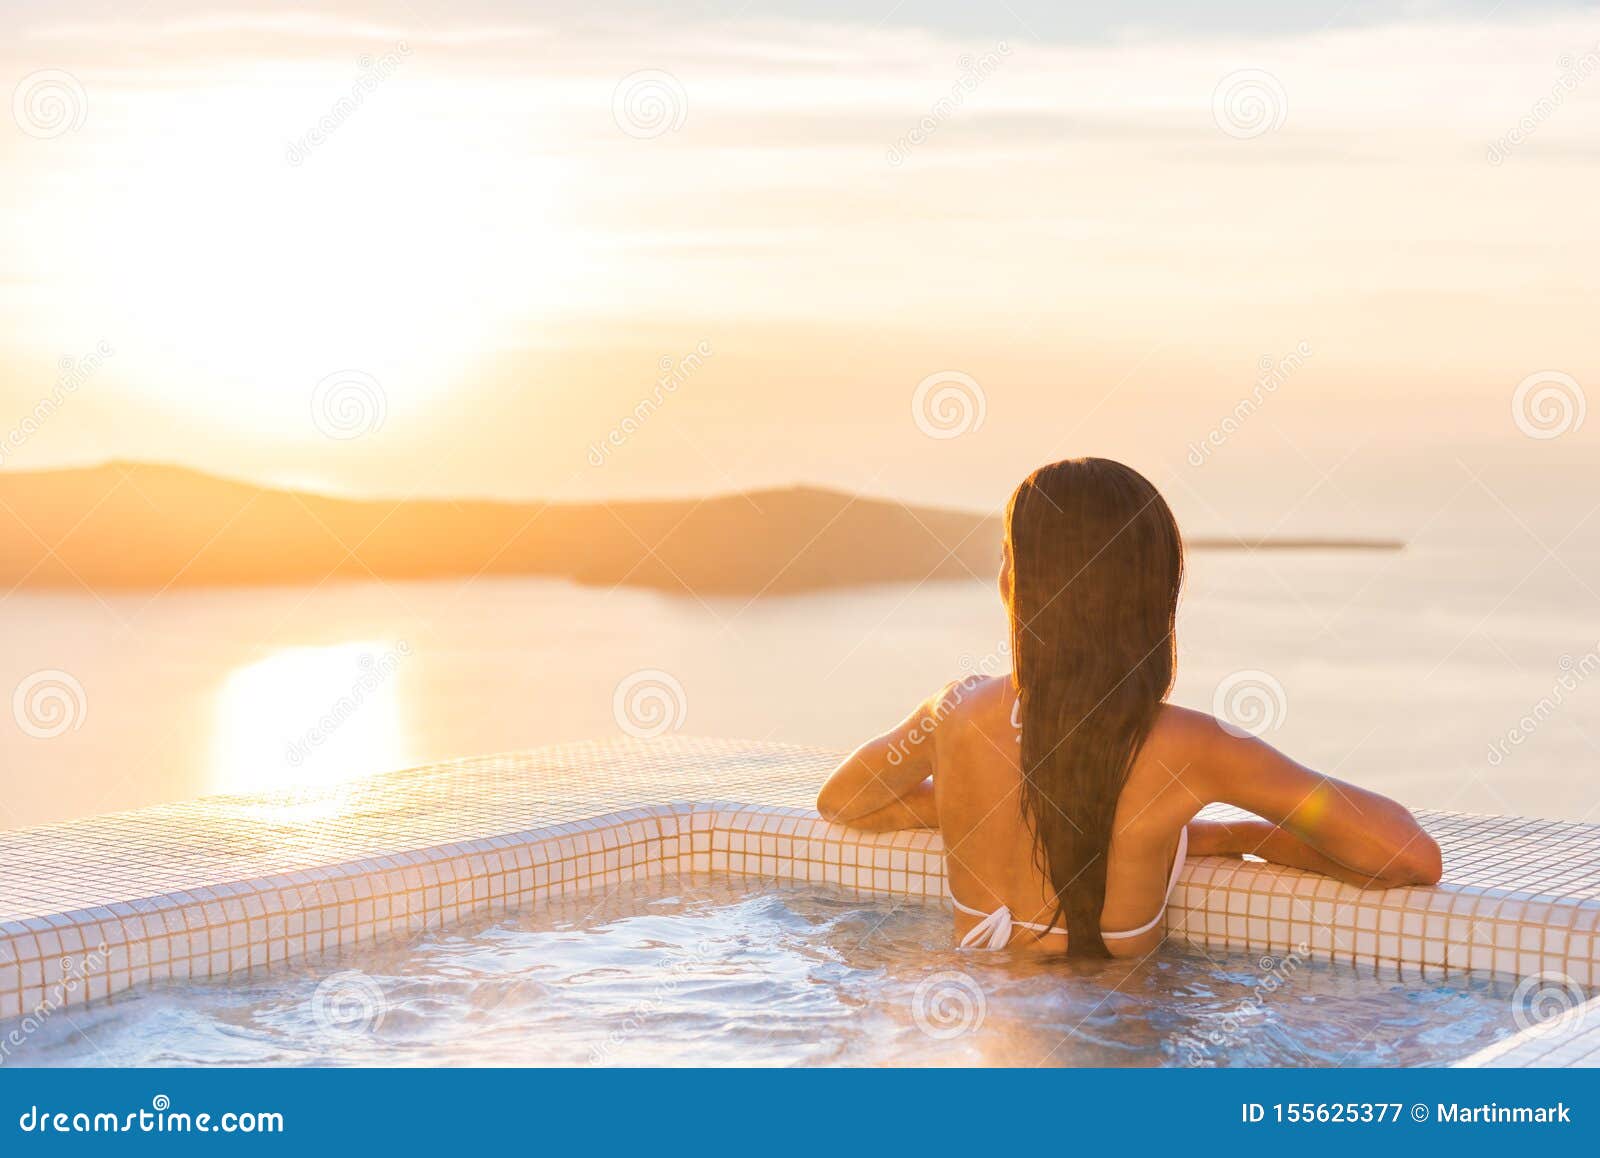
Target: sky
1314 270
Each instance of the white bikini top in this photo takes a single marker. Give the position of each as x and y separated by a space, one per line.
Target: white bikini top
994 931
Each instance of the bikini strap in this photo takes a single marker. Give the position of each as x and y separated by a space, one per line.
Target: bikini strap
995 929
993 932
1172 883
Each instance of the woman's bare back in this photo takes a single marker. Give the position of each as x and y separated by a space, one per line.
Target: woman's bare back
954 764
988 841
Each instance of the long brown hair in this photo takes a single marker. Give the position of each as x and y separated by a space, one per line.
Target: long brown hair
1096 565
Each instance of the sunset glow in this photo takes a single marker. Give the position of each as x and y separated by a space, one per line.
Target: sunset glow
309 718
603 534
486 211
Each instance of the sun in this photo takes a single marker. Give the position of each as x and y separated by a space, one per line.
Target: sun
232 279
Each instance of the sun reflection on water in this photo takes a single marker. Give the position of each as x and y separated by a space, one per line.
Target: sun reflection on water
311 718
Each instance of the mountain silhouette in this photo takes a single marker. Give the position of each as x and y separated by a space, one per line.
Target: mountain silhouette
140 525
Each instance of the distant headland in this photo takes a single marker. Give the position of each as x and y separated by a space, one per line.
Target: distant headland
140 525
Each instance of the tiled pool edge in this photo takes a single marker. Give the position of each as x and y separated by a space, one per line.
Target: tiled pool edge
209 932
56 959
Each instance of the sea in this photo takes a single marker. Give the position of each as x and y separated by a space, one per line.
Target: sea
1455 673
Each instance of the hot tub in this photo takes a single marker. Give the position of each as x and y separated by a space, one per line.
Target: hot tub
251 928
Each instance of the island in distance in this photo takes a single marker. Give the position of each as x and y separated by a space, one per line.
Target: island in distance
137 525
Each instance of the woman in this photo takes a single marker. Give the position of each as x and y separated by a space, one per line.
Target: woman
1066 793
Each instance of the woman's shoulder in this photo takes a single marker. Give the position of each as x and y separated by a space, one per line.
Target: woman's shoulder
1176 725
960 704
965 709
1193 747
973 696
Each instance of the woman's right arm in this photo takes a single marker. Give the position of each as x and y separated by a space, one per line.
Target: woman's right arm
1326 825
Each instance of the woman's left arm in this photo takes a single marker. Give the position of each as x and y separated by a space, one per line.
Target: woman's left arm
884 784
1256 837
917 809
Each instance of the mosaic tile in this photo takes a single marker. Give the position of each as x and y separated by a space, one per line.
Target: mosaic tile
231 883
